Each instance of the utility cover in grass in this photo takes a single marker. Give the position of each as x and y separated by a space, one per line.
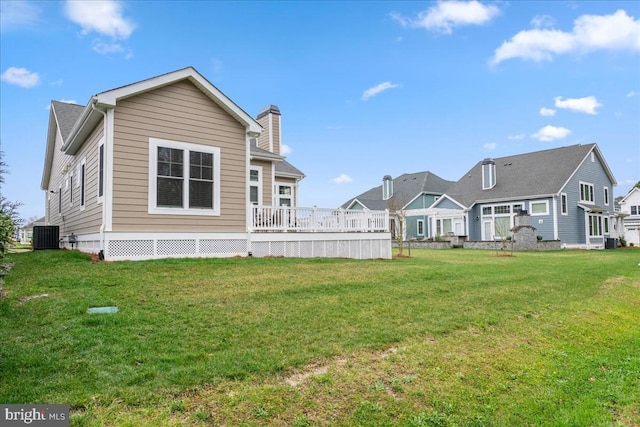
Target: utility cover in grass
102 310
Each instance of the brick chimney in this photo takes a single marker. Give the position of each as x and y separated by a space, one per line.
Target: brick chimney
269 119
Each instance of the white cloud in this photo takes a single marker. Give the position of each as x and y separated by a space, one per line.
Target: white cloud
490 146
632 94
20 77
586 105
285 149
342 179
14 14
543 21
373 91
448 14
106 48
102 16
547 112
618 31
550 133
517 137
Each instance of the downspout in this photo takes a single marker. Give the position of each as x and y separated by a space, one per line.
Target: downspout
555 217
104 168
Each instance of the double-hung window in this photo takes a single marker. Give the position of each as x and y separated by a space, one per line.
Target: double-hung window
586 192
184 178
284 195
564 207
595 225
83 183
255 184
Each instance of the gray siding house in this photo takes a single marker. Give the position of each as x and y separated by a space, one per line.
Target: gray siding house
568 192
410 194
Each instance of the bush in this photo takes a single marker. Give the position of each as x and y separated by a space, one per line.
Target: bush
7 231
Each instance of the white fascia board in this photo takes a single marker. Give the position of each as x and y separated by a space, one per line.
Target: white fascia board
112 96
51 142
633 190
514 199
604 164
441 198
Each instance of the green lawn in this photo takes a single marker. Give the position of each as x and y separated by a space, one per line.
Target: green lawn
444 338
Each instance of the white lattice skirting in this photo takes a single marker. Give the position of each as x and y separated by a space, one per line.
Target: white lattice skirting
139 246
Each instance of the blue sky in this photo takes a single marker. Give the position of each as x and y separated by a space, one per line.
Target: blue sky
366 89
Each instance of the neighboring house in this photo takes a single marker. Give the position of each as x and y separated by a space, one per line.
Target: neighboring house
25 233
408 196
630 213
568 192
171 167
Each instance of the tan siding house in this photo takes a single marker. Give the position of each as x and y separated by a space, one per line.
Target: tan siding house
171 167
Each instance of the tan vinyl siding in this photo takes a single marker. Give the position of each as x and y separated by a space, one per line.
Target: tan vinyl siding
178 112
73 219
267 180
270 131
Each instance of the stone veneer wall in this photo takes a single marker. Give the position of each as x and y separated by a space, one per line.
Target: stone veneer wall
540 245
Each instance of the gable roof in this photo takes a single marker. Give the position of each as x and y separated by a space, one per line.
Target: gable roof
406 187
66 116
62 118
74 122
108 99
536 174
282 167
628 195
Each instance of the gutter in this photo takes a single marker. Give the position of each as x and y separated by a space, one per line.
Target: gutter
80 123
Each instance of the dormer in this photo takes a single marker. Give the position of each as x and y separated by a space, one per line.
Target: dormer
387 187
488 174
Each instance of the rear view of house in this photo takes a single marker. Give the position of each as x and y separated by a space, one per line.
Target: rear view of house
567 191
164 167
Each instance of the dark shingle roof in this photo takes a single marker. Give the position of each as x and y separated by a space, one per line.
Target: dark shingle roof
405 188
522 176
286 168
282 166
66 115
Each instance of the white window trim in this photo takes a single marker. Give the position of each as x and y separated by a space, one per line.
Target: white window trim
99 198
598 219
70 188
83 185
536 202
605 195
277 196
258 183
592 189
154 143
566 204
418 222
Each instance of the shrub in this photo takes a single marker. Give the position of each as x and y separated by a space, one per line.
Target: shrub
7 231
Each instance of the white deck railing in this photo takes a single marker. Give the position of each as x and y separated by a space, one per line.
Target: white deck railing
285 219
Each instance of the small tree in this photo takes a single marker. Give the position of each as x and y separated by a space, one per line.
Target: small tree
397 208
9 216
503 229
